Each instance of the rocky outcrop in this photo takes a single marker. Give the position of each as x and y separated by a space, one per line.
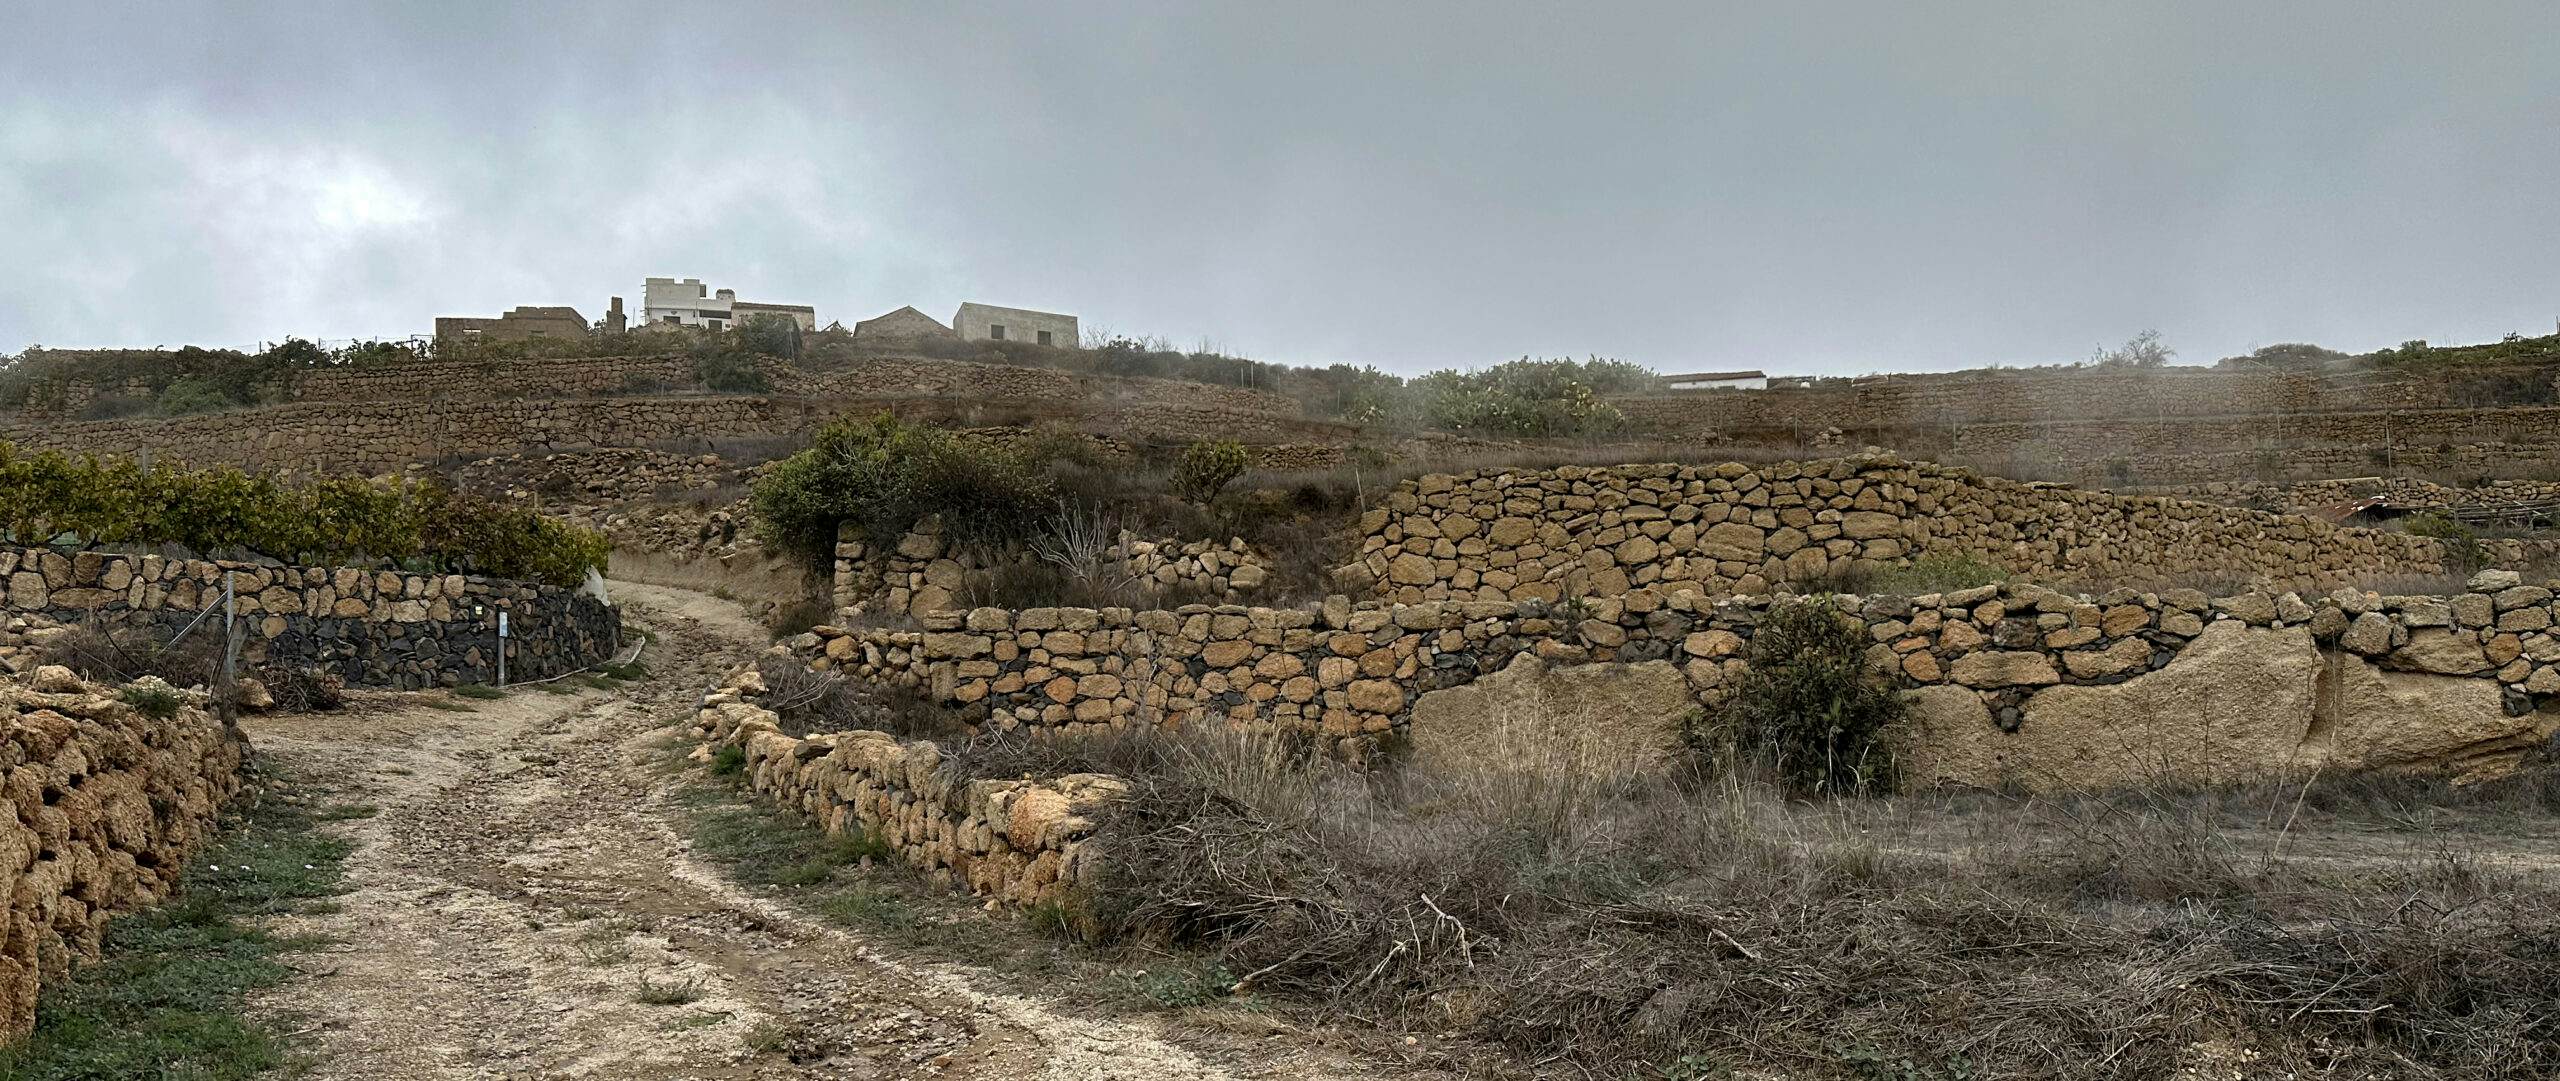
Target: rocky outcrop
104 808
1595 719
2238 703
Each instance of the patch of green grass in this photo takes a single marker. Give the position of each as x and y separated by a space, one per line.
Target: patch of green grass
341 812
481 691
167 998
729 761
871 910
156 702
857 847
772 1036
810 873
1178 984
690 1021
762 848
628 672
671 993
561 687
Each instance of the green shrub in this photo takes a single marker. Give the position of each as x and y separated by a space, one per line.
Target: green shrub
1540 398
1806 709
883 476
48 496
729 761
193 394
1208 466
155 700
771 334
730 372
2463 552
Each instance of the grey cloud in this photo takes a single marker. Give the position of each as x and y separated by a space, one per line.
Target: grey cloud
1832 187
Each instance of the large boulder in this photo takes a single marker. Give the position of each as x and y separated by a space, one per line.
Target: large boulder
1593 718
2238 703
2370 718
2235 703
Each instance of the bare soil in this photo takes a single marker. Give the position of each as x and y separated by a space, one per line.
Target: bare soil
525 878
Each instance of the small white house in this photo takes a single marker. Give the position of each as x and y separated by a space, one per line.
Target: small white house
689 303
1750 380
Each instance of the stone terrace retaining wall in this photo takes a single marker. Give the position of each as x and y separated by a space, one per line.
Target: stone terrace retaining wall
1019 841
1350 675
1974 397
548 377
2197 449
1734 528
901 377
386 437
104 808
925 572
374 628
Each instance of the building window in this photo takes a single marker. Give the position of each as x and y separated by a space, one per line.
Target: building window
995 331
1044 337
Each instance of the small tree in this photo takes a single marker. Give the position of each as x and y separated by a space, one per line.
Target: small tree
771 334
2143 350
883 476
1807 709
720 365
1208 466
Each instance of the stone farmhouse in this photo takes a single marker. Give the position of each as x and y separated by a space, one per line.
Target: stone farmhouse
518 325
905 326
989 323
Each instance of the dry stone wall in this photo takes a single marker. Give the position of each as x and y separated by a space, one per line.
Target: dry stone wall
374 438
1735 528
2319 495
480 380
369 627
1021 842
104 808
927 572
1919 400
2461 683
2199 449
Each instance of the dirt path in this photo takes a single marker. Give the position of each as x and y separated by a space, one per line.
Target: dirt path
524 878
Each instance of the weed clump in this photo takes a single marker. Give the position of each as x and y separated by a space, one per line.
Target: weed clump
154 699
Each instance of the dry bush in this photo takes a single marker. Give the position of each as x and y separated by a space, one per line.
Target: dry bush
109 653
785 620
808 702
1638 923
303 689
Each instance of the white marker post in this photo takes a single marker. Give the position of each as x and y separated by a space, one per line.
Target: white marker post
502 647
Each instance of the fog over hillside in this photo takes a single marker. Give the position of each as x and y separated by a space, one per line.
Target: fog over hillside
1816 189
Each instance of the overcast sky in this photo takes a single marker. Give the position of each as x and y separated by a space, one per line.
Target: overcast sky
1801 187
